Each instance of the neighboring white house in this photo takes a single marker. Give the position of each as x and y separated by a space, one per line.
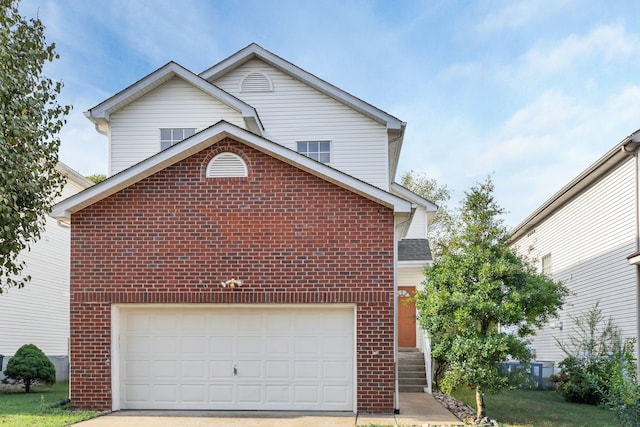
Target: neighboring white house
586 236
39 313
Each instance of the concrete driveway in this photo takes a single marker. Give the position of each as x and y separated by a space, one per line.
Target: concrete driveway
416 409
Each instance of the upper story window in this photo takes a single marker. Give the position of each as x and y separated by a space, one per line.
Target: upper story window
317 150
546 265
171 136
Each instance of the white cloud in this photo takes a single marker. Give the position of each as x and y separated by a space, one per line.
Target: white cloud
549 142
608 42
516 14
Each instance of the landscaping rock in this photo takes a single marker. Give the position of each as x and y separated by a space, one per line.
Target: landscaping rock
462 411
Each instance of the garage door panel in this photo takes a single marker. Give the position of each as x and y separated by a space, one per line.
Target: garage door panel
164 368
221 369
336 369
166 322
137 393
194 344
221 393
136 369
221 344
284 358
277 345
249 344
194 369
193 393
277 369
278 393
249 394
249 368
306 394
306 369
165 344
305 345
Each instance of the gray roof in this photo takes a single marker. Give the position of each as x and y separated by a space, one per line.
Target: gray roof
414 250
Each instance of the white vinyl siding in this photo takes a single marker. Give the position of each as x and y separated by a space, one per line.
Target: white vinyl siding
39 313
589 239
418 227
293 112
134 130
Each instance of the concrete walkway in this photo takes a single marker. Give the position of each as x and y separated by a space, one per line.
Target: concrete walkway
416 409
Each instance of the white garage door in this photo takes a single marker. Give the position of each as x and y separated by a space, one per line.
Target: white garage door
229 358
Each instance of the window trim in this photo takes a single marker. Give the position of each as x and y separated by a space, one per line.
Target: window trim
173 141
318 152
546 266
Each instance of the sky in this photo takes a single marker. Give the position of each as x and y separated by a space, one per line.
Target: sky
529 92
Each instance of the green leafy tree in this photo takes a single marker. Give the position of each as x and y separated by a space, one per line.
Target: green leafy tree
476 284
97 177
428 188
29 365
30 120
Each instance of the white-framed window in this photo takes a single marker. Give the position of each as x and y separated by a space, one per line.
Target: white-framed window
171 136
546 265
317 150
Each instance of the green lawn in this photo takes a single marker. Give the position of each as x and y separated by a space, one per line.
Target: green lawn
535 408
19 409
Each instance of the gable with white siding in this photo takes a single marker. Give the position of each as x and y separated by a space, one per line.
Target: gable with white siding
588 240
293 111
134 132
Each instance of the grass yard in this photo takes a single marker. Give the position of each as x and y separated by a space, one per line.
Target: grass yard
19 409
536 408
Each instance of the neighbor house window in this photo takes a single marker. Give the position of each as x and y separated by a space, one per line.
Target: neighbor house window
546 265
317 150
171 136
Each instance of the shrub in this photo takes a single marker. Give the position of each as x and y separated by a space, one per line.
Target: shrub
583 380
623 394
29 365
591 354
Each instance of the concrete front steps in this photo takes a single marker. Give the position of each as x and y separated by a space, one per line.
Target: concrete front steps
411 371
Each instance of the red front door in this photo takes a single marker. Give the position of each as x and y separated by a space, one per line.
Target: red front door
406 317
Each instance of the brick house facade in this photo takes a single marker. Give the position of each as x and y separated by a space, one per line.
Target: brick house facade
269 284
293 238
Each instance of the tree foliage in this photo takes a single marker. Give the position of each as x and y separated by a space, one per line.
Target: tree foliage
97 178
439 194
29 365
30 120
477 284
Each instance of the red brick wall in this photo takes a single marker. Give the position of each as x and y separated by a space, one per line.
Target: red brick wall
290 236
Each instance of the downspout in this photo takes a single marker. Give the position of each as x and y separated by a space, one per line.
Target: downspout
396 403
631 148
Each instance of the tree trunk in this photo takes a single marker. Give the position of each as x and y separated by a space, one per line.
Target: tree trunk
27 385
481 411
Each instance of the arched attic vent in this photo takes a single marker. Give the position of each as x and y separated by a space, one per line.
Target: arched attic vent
226 165
256 82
